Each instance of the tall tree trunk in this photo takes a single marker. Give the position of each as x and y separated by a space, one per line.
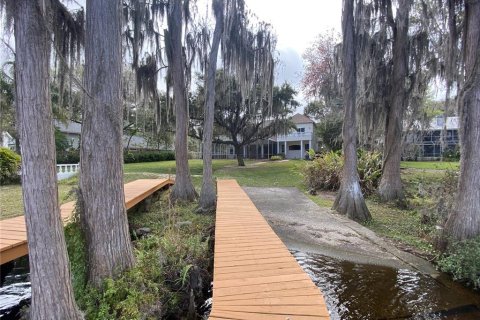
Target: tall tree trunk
443 137
183 189
464 222
208 196
101 154
449 71
349 198
52 294
391 187
239 153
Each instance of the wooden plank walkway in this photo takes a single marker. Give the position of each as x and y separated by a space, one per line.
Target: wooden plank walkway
13 235
255 276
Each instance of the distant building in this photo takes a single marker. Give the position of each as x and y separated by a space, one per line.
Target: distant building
292 145
8 141
72 130
424 143
299 140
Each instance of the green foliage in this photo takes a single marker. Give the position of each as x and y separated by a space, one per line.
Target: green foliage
276 158
158 286
369 170
9 166
311 154
68 156
324 172
462 261
148 156
452 154
329 131
61 141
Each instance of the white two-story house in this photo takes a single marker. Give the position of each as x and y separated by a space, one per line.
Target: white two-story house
293 145
296 143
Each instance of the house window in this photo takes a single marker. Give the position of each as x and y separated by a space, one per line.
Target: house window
300 130
307 146
283 148
294 147
231 150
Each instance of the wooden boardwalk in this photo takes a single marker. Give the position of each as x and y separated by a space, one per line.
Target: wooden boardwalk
13 235
255 276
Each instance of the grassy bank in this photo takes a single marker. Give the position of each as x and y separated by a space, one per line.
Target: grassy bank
171 260
405 226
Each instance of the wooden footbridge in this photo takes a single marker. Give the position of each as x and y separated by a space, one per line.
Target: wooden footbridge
13 235
255 276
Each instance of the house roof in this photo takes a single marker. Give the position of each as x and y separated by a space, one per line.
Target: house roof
301 119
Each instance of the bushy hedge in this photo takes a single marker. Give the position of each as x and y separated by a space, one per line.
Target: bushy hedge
324 172
276 158
148 156
73 156
463 262
9 166
68 157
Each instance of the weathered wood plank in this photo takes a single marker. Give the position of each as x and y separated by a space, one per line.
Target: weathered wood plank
255 276
13 236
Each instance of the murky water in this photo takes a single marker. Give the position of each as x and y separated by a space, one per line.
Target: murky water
15 291
361 291
352 291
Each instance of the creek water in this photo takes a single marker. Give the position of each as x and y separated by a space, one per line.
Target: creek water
362 291
352 291
15 291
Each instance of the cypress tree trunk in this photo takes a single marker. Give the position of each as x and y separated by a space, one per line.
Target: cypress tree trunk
239 153
52 294
464 222
183 189
349 198
391 187
101 154
208 196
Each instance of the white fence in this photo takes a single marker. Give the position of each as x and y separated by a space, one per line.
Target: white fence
65 171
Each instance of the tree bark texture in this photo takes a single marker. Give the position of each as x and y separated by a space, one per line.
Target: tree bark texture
101 155
464 222
52 294
349 200
391 187
239 153
183 189
208 196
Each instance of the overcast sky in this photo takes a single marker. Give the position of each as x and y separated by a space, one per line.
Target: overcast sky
297 24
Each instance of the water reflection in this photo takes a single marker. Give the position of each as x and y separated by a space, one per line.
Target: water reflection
358 291
15 291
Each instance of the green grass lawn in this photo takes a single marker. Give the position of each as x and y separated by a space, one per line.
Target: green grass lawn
255 173
432 165
402 225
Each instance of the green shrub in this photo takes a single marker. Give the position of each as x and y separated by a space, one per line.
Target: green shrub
463 262
9 166
369 170
68 157
276 158
324 172
148 156
452 154
170 263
